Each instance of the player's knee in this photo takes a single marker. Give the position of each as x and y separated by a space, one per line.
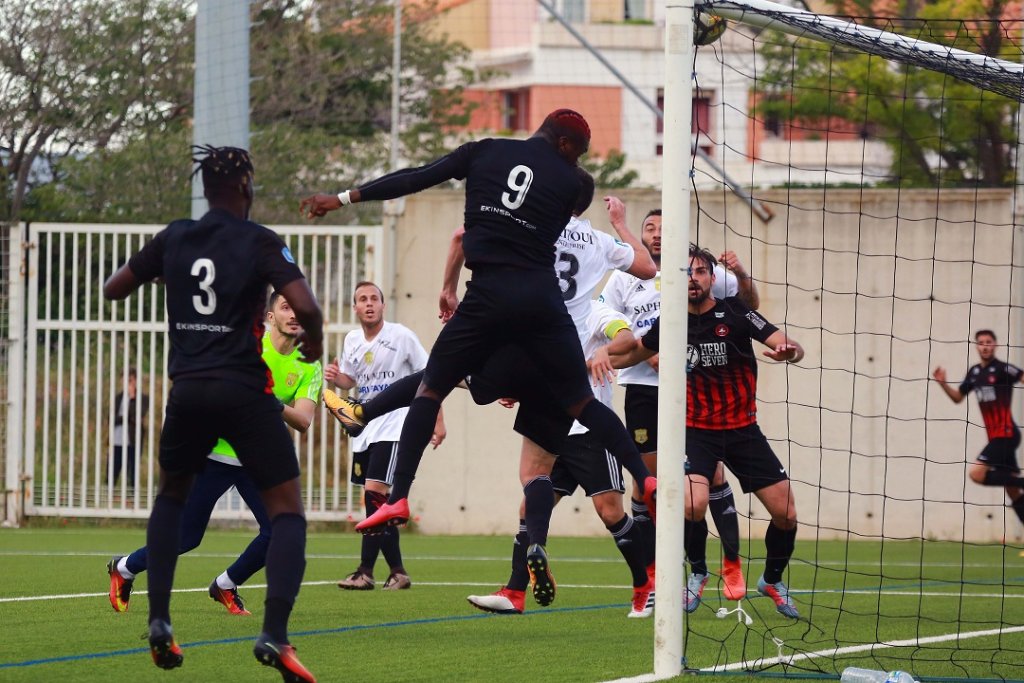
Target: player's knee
609 508
977 473
785 519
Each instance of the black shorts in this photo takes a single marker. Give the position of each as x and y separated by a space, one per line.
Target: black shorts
376 463
506 306
199 411
509 373
745 451
583 461
1002 453
642 416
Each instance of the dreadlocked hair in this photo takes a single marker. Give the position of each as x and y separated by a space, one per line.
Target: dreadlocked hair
224 169
586 195
704 255
567 123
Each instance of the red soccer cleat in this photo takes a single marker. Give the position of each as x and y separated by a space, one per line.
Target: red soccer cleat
282 658
733 585
388 514
162 646
230 599
651 497
504 601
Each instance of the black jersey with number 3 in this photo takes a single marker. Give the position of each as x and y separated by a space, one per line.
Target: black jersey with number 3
519 196
216 271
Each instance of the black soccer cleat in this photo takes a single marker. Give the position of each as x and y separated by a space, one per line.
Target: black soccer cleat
540 575
165 651
282 658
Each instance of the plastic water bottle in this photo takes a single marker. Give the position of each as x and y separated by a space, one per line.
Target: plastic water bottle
853 674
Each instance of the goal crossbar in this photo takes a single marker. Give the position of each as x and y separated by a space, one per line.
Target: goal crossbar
989 73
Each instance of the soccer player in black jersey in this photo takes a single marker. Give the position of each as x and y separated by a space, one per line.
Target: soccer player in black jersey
519 196
992 382
721 422
216 271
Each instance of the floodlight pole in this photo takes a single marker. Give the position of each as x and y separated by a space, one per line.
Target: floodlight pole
675 205
221 97
394 208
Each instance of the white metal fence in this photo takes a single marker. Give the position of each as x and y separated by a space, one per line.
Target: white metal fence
80 348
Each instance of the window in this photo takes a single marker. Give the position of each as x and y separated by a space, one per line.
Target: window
515 109
700 121
635 9
573 11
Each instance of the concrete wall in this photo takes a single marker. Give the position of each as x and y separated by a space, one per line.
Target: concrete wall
879 287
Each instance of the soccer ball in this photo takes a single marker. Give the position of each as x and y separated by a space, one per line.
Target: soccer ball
707 28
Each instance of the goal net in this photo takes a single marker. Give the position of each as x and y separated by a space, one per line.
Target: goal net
886 151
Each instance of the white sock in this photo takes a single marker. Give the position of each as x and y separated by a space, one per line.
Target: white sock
225 583
122 568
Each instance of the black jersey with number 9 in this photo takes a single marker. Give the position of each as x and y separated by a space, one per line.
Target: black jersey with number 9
216 271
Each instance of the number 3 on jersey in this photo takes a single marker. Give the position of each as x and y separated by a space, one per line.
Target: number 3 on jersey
519 180
205 303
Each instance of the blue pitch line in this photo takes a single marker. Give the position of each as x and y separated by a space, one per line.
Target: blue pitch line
317 632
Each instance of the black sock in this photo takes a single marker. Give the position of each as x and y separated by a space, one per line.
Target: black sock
612 434
696 545
1001 477
163 534
779 544
390 549
372 500
416 433
631 544
519 579
286 563
1018 507
642 521
540 501
723 511
399 394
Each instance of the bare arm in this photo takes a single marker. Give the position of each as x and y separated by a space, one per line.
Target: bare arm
746 289
643 265
626 351
440 432
782 348
940 376
449 298
122 283
335 377
300 415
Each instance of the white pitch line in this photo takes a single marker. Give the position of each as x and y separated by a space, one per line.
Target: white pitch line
487 584
871 647
466 584
504 558
852 649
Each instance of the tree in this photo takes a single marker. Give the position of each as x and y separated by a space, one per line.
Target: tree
940 130
81 78
320 116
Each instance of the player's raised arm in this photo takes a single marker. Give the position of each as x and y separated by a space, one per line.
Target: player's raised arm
643 265
746 289
955 395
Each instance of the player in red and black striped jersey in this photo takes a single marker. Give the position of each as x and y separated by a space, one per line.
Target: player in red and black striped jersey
992 382
215 272
721 422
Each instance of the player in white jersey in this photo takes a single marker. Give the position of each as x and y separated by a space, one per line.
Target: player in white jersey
373 357
640 301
